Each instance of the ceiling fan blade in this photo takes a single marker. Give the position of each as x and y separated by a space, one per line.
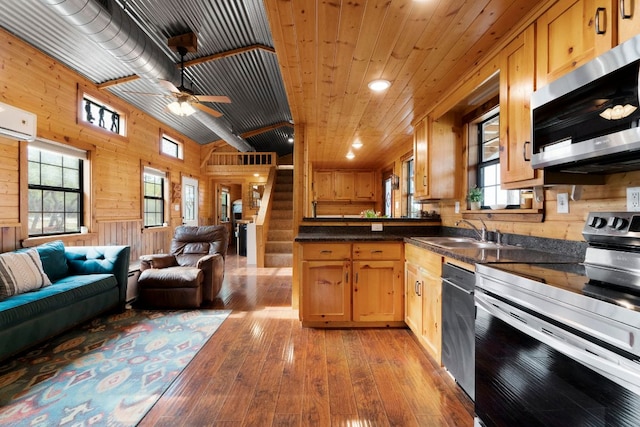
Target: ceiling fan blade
211 111
168 85
214 98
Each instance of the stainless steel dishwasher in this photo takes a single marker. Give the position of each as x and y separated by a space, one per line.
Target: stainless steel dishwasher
458 325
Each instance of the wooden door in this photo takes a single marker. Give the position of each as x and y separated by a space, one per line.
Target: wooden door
323 185
343 182
517 83
377 291
364 185
413 298
326 291
567 36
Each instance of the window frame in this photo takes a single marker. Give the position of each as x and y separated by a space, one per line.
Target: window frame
101 98
164 185
81 192
164 135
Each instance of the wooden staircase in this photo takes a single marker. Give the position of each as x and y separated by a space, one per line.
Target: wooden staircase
279 245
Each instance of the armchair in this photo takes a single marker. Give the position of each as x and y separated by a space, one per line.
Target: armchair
193 271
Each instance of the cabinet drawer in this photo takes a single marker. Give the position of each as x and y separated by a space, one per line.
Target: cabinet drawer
318 251
387 251
430 261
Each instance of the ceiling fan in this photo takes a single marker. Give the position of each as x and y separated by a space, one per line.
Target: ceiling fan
185 101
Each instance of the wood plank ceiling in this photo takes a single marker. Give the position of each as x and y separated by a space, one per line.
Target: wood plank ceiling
330 50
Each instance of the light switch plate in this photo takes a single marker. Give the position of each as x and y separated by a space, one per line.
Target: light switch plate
457 207
376 226
563 202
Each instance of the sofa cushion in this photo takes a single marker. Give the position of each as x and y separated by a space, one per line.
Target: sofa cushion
21 272
54 262
65 292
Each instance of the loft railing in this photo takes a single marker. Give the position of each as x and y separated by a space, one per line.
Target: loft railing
241 159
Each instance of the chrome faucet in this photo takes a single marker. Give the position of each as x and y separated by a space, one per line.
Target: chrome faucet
482 233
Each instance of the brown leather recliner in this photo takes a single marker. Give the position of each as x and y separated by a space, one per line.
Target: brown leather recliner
175 279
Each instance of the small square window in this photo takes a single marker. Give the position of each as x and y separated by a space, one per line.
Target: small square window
171 147
102 115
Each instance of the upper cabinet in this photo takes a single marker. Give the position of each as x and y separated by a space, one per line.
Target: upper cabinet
517 83
571 33
344 185
437 156
628 19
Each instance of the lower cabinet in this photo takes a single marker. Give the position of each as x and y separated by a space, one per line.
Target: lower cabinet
423 298
346 284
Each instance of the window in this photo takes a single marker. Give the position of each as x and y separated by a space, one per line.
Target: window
411 209
153 191
55 189
224 205
171 147
489 165
102 115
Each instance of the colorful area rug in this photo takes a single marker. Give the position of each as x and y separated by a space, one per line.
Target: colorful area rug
109 372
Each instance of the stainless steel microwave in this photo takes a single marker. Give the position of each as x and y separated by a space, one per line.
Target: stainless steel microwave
588 121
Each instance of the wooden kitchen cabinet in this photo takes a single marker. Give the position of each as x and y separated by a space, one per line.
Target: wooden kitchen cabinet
628 19
378 282
568 35
346 284
517 83
437 158
344 185
323 185
423 298
326 283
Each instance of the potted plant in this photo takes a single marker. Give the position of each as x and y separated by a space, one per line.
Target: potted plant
475 198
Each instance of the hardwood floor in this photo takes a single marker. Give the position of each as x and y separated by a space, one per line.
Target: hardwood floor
262 368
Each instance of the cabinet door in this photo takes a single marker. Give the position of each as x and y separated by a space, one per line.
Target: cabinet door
365 184
443 158
628 19
432 314
567 36
517 83
413 298
377 291
343 183
326 291
420 160
323 185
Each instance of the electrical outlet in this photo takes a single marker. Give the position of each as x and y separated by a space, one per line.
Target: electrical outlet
376 226
633 199
563 202
457 207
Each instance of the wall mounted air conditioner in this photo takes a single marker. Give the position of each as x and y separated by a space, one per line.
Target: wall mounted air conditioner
16 123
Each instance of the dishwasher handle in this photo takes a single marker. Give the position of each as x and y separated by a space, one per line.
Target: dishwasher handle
458 287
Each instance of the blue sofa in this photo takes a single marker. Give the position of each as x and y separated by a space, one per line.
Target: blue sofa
86 281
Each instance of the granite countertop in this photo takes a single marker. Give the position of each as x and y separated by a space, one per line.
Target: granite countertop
347 237
502 254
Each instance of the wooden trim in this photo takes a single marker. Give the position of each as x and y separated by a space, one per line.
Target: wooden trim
511 215
118 81
352 324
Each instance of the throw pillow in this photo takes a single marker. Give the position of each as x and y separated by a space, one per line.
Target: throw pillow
21 272
54 263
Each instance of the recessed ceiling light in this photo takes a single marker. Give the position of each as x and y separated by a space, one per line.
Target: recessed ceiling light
350 155
290 139
357 144
379 85
256 174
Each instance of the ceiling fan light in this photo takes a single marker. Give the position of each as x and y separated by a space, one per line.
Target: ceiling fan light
181 108
618 112
379 85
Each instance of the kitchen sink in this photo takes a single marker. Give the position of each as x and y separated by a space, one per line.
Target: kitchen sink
461 243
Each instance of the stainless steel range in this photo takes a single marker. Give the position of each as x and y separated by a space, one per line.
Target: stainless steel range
559 344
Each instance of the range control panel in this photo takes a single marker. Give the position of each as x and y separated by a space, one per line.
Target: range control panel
613 227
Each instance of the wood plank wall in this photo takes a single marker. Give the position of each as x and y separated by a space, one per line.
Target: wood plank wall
35 82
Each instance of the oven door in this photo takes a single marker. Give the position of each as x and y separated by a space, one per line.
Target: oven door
522 380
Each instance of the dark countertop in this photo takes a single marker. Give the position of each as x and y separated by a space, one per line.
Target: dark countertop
349 237
500 255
